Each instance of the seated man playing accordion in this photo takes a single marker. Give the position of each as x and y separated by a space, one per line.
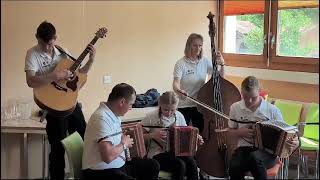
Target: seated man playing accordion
157 138
247 157
105 143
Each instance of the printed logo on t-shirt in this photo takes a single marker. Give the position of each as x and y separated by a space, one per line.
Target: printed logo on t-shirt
190 71
46 64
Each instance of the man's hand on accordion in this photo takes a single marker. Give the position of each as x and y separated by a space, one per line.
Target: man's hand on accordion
246 131
127 141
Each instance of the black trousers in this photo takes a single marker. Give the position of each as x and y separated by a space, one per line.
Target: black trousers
179 166
193 115
245 159
141 169
57 128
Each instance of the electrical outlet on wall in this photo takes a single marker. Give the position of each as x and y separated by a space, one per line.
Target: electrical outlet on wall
106 79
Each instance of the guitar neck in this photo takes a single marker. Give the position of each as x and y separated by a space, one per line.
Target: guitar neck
77 63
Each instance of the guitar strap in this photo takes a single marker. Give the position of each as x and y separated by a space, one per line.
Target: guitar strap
63 52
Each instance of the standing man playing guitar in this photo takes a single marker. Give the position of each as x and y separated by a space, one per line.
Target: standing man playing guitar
40 63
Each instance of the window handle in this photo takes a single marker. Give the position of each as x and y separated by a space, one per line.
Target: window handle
272 41
265 38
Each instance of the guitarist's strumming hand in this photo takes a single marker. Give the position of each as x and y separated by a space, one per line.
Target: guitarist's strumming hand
63 75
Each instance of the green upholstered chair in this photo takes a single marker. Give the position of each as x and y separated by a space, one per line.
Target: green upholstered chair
310 140
311 129
164 175
290 111
73 145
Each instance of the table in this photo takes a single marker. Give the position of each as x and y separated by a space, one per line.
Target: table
136 114
25 127
33 126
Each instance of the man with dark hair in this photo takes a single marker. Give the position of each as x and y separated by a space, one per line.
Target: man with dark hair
251 108
40 63
104 143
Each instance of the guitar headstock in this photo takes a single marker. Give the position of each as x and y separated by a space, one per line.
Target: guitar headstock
102 32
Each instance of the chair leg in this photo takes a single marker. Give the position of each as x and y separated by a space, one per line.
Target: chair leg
305 168
286 168
282 170
317 166
298 164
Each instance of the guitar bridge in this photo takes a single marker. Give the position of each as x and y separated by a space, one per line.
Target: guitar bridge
59 87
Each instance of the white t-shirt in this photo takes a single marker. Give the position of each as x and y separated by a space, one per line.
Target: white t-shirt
152 119
103 122
192 77
239 111
41 62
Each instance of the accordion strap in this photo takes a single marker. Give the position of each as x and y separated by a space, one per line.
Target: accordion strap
108 136
244 122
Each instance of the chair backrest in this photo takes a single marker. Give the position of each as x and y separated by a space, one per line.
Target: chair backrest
73 144
312 130
291 111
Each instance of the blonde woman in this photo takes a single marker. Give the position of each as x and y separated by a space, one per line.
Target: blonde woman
165 116
190 74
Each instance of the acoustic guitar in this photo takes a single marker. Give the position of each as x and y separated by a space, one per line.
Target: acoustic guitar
60 97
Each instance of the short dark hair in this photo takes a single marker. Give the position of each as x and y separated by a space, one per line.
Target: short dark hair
250 83
121 90
46 31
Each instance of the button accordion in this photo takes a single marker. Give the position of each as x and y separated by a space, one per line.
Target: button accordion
135 130
271 136
181 140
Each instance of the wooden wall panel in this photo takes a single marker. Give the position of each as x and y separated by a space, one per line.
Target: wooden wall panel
285 90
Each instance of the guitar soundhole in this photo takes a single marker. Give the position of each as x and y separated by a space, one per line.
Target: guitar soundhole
73 84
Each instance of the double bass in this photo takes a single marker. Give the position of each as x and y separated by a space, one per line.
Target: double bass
213 156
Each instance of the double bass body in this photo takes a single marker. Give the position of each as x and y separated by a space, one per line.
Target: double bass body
213 156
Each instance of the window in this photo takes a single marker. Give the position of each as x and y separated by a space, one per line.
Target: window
270 34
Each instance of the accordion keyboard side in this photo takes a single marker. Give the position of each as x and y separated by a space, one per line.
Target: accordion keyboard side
135 131
272 138
285 150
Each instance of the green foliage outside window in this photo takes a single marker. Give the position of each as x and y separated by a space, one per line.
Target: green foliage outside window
291 22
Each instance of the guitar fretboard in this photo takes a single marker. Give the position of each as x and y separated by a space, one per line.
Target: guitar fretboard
77 63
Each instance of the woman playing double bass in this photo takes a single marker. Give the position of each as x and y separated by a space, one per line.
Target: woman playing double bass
190 74
217 93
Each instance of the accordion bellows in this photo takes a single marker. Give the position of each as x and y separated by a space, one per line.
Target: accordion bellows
183 140
272 135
